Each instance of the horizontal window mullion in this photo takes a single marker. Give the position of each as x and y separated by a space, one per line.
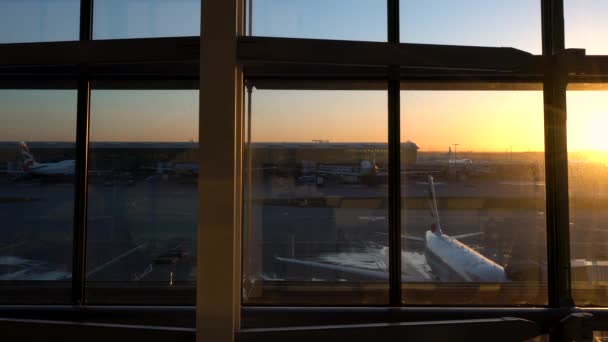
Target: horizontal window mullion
100 52
440 57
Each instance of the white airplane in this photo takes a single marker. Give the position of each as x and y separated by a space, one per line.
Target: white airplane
451 259
448 258
450 160
34 168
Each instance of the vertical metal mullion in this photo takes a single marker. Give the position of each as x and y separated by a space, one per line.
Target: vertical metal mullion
553 36
394 152
80 196
250 18
86 20
556 156
393 21
81 167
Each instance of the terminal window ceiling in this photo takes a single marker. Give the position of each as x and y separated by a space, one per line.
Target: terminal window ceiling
319 179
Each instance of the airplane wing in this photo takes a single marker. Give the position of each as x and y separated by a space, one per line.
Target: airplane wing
464 236
413 238
375 274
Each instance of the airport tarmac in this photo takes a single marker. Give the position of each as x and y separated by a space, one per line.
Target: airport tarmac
146 231
140 232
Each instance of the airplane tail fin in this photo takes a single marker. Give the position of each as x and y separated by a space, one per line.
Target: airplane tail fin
27 155
436 225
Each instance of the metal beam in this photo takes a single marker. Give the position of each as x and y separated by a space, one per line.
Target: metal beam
86 20
81 193
558 64
81 183
32 330
556 169
220 186
394 162
552 16
394 188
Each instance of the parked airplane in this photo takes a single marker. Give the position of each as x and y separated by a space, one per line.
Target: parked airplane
34 168
450 160
451 259
448 258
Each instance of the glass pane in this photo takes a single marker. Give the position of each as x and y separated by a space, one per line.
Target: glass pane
473 197
316 217
586 26
588 187
515 23
116 19
36 194
39 20
363 20
142 196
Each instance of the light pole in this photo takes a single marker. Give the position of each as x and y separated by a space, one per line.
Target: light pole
455 145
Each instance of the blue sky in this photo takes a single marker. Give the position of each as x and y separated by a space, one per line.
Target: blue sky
514 23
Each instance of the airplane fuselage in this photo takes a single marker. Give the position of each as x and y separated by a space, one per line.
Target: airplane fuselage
451 260
62 168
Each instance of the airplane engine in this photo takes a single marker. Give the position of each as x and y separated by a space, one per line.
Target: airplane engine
367 167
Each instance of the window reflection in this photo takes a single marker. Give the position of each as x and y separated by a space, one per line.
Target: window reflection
120 19
588 186
316 195
143 172
37 137
473 22
473 197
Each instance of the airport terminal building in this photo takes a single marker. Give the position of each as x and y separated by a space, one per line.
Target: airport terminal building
261 170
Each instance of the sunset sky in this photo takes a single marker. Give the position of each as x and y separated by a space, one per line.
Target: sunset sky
480 121
477 120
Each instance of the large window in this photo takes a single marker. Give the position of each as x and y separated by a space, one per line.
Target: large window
588 185
316 223
142 194
473 218
369 135
36 194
